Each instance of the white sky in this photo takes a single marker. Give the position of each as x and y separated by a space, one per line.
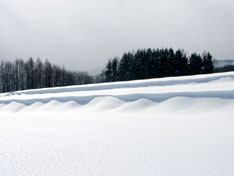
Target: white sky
84 34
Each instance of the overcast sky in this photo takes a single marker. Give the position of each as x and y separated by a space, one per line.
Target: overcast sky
84 34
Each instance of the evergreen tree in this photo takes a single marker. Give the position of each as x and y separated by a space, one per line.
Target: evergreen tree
29 69
181 63
108 71
48 73
39 74
114 69
208 66
195 64
125 67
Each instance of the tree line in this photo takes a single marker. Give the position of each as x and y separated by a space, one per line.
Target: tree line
142 64
21 75
156 63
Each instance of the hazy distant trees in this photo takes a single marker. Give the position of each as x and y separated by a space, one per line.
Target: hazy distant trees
20 75
226 68
151 63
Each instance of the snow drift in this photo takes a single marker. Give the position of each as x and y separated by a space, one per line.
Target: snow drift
169 126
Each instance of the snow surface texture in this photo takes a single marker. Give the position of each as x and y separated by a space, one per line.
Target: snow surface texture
161 127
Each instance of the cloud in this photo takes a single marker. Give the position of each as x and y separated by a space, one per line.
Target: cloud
84 34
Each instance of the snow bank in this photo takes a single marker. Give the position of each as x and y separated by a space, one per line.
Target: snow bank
172 126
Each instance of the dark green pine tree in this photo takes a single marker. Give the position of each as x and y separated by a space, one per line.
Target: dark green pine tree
141 64
195 64
181 63
155 64
114 68
125 67
108 71
164 64
171 62
150 66
48 70
208 66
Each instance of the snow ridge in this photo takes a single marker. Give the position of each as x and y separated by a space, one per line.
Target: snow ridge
114 95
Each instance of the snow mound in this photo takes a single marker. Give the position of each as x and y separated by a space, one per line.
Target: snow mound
141 104
69 106
34 107
13 107
104 103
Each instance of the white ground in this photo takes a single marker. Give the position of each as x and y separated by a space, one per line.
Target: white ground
161 127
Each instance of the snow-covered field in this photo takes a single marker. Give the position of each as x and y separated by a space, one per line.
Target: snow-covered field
161 127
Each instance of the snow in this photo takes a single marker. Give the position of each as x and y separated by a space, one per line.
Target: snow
161 127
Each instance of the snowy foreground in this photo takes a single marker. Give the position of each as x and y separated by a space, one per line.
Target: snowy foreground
182 126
